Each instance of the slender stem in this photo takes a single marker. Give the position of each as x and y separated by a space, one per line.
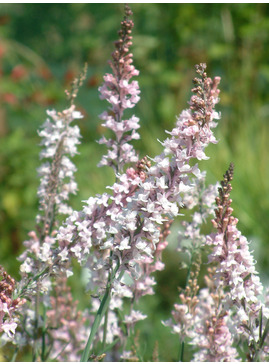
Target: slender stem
100 313
182 351
261 339
14 357
106 314
105 330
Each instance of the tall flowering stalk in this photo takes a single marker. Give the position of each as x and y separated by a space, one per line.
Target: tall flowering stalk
40 261
235 272
59 140
228 311
122 94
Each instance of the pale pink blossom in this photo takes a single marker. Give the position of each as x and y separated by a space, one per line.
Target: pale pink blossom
122 94
211 333
59 140
235 270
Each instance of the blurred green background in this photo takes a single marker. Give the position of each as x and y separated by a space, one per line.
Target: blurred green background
44 46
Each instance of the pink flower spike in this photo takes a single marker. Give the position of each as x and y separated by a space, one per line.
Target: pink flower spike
122 94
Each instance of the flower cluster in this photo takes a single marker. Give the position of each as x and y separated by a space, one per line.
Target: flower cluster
40 259
121 94
190 237
229 308
191 241
60 140
235 265
143 285
211 334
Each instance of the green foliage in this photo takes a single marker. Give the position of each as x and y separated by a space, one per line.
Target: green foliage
44 46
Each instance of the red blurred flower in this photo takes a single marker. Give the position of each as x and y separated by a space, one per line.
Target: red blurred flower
9 98
19 72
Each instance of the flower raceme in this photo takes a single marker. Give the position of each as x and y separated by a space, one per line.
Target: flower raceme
59 140
231 250
229 309
40 259
122 94
236 273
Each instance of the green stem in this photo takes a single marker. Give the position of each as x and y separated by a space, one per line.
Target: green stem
261 339
14 357
182 351
100 313
105 330
106 314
